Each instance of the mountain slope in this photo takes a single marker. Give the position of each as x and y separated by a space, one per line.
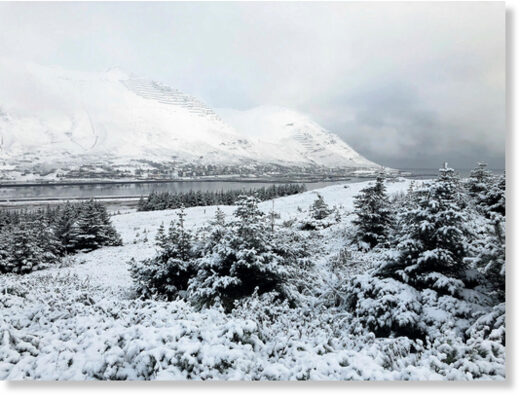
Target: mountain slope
294 136
95 116
54 118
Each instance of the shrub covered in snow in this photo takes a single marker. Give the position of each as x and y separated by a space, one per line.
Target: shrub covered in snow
386 306
490 257
319 216
238 258
391 308
490 325
63 328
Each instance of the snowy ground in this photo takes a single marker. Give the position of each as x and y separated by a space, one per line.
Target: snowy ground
81 321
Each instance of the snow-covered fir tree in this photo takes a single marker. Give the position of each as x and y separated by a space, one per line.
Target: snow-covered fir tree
319 209
160 237
479 180
374 216
24 253
220 218
5 258
66 227
491 259
178 241
52 233
94 228
238 258
89 227
45 234
167 274
109 235
493 202
432 239
491 255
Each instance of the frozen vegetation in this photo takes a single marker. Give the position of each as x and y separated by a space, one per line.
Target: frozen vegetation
382 280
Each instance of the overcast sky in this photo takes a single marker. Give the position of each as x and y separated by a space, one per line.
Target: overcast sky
407 85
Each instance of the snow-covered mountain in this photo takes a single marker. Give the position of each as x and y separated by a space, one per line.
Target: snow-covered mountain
55 118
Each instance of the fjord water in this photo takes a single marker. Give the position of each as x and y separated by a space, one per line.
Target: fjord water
132 190
129 190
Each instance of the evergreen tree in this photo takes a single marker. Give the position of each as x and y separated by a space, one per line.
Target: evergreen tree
220 218
178 243
491 259
479 181
319 209
319 215
24 253
94 228
159 201
48 234
108 235
237 259
431 248
160 237
167 274
411 188
5 244
5 219
66 228
493 203
45 235
89 227
374 217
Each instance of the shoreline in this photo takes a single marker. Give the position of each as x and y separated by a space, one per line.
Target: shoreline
177 180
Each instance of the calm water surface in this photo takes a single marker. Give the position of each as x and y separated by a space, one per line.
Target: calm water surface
142 189
132 189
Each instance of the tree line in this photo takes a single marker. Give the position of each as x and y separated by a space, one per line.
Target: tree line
31 239
172 200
